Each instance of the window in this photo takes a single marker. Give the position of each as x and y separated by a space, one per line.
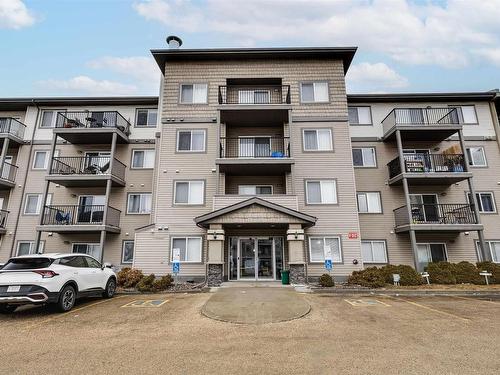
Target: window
41 159
191 140
128 252
319 245
314 92
318 140
374 251
364 157
139 203
143 159
74 261
360 116
254 96
146 117
92 249
28 247
49 118
189 248
33 203
485 201
493 247
92 263
189 192
369 203
194 93
476 156
255 189
321 192
465 114
430 252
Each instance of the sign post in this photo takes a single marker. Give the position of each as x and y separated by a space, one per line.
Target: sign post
176 262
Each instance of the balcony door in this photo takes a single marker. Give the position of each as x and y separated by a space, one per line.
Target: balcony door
418 161
254 147
430 252
91 209
96 162
424 207
253 96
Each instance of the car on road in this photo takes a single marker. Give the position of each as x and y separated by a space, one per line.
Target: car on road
57 279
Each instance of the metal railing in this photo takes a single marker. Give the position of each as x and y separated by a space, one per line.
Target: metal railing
3 218
428 163
93 119
436 214
87 165
265 94
421 117
254 147
80 215
8 172
9 125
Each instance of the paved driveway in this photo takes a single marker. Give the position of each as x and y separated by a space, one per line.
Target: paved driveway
341 335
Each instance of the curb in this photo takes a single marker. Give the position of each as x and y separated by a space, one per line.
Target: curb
475 293
135 292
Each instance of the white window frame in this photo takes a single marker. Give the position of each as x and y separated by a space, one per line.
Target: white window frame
310 238
371 242
189 192
54 117
471 159
314 83
358 193
321 181
186 238
148 124
480 204
461 113
46 162
152 150
123 252
73 244
32 245
488 243
205 101
39 204
428 244
191 141
140 200
363 157
317 130
255 188
362 123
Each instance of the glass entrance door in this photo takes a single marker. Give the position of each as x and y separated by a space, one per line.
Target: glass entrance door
247 258
255 258
265 259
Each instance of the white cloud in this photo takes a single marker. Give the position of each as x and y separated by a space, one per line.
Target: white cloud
491 55
369 77
448 34
15 15
85 85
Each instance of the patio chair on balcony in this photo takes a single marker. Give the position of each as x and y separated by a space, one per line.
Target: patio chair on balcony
63 219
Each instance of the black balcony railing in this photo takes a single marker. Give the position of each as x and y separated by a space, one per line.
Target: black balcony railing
87 165
94 119
8 172
80 215
255 147
270 94
428 163
421 117
9 125
436 214
3 218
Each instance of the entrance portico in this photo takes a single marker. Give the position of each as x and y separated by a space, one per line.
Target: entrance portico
254 240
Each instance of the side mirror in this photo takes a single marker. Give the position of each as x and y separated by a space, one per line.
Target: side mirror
107 265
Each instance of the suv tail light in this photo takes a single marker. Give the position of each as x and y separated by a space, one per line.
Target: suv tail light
46 274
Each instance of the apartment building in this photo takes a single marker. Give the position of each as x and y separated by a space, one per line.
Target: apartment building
262 162
77 174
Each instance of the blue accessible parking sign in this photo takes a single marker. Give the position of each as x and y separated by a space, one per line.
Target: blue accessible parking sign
328 264
176 267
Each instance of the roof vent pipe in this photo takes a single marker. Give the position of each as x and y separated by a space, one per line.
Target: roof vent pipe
174 42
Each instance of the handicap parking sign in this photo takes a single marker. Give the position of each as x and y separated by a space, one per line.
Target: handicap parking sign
328 264
176 266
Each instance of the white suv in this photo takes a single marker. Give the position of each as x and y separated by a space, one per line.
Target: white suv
53 279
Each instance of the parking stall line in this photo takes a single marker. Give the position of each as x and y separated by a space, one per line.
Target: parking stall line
477 299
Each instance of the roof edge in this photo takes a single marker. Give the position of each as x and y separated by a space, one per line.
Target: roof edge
421 96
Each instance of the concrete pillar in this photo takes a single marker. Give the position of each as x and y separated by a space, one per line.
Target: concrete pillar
296 256
215 254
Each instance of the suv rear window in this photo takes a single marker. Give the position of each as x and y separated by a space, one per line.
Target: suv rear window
27 263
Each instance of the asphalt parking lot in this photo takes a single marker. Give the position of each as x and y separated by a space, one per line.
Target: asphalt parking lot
340 335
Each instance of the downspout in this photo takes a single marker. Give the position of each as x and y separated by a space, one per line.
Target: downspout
25 178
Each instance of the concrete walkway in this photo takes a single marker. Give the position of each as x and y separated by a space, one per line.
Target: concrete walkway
250 305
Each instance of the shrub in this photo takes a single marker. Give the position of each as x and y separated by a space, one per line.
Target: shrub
441 273
408 275
326 280
146 283
129 277
370 277
466 272
162 283
491 267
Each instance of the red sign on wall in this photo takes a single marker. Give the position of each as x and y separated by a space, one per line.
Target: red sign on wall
352 235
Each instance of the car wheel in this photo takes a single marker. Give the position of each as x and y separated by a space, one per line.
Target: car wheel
110 289
67 299
7 309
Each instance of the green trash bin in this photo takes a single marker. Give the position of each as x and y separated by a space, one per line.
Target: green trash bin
285 277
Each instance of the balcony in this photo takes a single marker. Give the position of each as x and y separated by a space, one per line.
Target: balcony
86 171
437 217
12 129
429 169
92 127
421 124
251 155
3 220
8 174
288 201
265 103
80 219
